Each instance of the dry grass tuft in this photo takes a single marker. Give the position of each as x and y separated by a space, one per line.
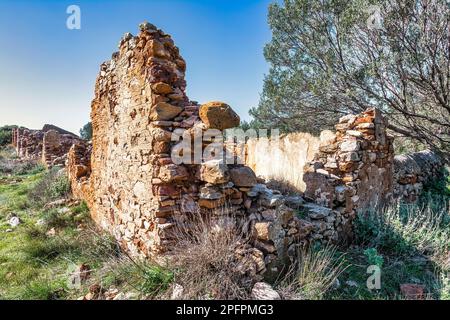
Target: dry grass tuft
206 260
314 273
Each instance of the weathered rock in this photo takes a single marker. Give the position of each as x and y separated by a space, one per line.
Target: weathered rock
162 88
164 111
412 291
243 177
14 221
263 230
218 115
177 292
264 291
214 171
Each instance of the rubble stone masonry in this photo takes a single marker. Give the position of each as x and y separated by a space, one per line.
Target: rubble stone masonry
133 187
138 191
414 171
49 145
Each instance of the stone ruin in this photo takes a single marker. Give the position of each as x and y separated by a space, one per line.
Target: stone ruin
137 191
49 145
414 171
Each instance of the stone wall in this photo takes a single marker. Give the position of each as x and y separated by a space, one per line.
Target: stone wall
50 145
55 147
132 184
79 170
282 160
414 171
143 124
28 143
353 169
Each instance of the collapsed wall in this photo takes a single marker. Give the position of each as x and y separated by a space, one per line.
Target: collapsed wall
340 172
28 143
353 169
414 171
50 145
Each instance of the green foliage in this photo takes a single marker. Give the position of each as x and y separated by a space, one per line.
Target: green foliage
445 287
10 164
155 280
326 60
440 187
6 135
86 131
373 257
36 265
53 186
405 229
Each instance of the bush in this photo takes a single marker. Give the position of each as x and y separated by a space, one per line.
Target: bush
155 280
373 257
406 229
6 135
86 131
53 186
205 256
441 186
9 164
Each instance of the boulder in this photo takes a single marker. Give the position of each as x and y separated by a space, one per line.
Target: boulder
219 115
243 176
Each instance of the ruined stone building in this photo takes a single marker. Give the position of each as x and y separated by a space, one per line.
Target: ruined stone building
138 191
49 145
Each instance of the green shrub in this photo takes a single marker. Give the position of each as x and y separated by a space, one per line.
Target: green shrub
445 287
26 168
6 135
405 229
53 218
9 164
52 186
373 257
155 280
441 186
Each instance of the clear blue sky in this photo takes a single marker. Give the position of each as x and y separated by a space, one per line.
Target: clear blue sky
47 72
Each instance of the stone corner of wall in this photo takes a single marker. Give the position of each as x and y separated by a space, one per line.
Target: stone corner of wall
353 168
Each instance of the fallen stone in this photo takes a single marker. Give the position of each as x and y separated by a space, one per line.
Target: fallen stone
264 291
177 292
14 221
412 291
262 230
51 232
